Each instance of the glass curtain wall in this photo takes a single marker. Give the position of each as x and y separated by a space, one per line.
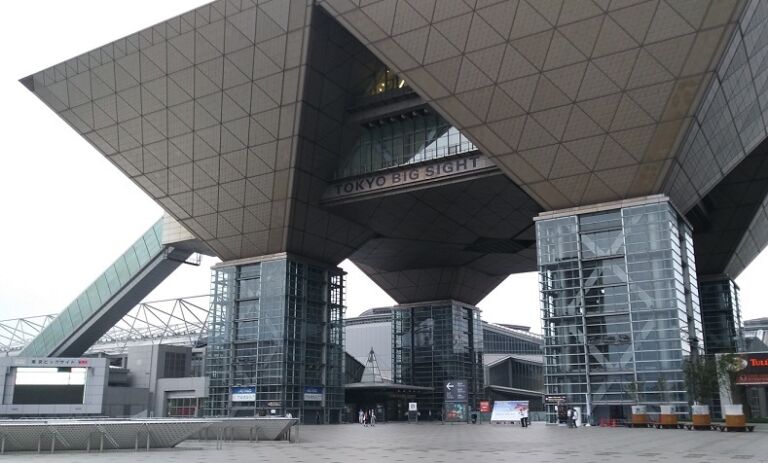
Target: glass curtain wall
721 315
107 285
434 343
618 312
405 140
276 326
518 374
507 342
384 80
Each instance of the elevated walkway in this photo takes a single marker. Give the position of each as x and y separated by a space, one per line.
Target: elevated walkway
114 293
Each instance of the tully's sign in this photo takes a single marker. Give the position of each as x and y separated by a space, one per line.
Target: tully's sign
408 176
752 368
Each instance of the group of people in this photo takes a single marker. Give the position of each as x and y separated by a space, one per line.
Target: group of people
367 417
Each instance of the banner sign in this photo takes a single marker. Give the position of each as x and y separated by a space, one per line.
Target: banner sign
412 407
51 362
244 394
455 391
485 406
512 410
313 394
555 399
751 368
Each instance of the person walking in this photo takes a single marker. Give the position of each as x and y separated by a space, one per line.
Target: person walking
373 418
360 416
570 417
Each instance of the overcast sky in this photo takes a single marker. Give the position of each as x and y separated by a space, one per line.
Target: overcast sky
67 213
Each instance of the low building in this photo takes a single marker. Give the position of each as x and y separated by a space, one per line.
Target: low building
430 347
150 380
755 334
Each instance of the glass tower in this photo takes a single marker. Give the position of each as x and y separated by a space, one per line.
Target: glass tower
276 335
434 342
619 304
721 314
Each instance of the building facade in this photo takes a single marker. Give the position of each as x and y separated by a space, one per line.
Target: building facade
511 355
438 342
620 305
275 340
371 330
720 314
420 140
500 339
756 335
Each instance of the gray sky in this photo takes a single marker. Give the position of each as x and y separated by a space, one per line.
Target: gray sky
68 213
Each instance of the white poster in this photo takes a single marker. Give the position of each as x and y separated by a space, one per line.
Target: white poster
513 410
412 407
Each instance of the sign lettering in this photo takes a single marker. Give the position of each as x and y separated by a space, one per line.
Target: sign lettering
407 176
456 391
244 394
751 368
313 394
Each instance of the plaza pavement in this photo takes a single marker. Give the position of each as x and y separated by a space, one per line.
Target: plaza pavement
402 442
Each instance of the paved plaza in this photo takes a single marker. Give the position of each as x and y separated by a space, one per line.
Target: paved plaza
437 443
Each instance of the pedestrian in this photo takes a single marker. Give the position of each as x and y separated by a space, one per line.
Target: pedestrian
373 418
570 417
574 417
317 417
360 416
366 419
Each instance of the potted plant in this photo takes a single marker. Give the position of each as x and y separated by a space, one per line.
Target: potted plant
733 410
700 373
639 412
668 416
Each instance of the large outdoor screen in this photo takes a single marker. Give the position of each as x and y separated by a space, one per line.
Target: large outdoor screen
49 386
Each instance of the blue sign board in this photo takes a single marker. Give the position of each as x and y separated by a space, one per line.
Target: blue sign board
313 393
243 394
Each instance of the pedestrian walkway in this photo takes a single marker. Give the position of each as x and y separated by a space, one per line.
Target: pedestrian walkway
427 442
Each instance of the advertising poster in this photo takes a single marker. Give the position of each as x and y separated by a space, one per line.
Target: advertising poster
509 410
455 412
485 406
751 368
